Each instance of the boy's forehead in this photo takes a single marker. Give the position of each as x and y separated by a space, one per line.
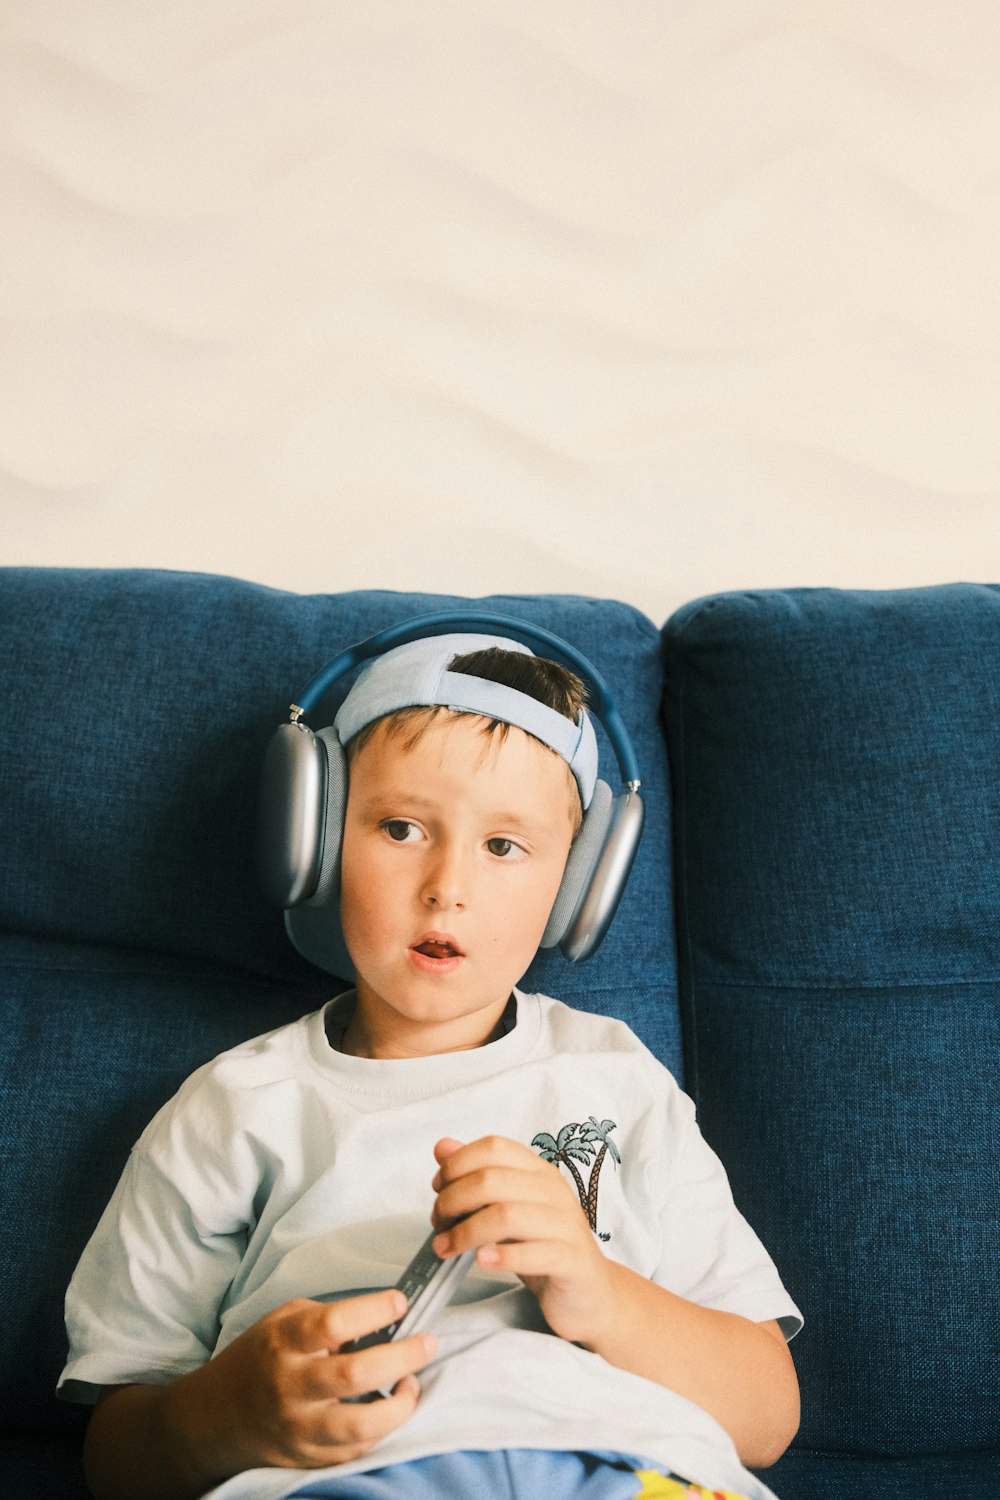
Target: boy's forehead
452 735
459 748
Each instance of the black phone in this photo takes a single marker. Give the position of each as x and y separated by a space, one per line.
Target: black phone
428 1284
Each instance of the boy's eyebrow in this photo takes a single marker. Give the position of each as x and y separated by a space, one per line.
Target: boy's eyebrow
390 795
514 820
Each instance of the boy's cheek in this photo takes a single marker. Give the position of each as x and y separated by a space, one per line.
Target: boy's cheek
362 911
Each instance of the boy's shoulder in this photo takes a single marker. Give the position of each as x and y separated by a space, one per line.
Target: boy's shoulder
592 1056
215 1095
569 1028
271 1054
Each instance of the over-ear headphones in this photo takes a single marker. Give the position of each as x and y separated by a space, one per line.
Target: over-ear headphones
304 799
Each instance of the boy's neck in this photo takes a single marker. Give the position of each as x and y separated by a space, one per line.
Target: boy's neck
365 1037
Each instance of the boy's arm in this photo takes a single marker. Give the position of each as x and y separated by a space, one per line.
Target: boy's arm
738 1371
524 1217
274 1397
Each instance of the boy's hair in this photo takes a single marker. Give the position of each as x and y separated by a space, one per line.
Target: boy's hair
547 681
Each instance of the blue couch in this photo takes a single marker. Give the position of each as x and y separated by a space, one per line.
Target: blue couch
809 940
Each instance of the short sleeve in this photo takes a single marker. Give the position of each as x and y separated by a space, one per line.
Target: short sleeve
710 1254
144 1301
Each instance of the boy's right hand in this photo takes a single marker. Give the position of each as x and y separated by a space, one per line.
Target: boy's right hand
279 1394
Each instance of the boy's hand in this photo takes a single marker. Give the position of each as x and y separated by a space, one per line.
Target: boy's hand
522 1216
280 1393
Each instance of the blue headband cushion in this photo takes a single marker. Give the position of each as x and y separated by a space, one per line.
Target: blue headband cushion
417 675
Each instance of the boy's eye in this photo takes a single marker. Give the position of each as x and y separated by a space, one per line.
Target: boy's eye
400 830
503 848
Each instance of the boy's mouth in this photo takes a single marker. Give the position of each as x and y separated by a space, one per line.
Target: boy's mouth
438 946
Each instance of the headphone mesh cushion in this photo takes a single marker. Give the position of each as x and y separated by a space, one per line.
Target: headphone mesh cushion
581 865
328 885
318 937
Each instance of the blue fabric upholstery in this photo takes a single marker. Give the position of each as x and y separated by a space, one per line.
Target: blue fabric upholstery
134 942
801 1475
835 759
42 1469
836 803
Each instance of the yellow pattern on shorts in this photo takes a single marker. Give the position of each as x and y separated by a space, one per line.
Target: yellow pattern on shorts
660 1487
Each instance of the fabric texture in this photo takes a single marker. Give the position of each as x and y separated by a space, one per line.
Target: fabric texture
836 765
801 1475
286 1168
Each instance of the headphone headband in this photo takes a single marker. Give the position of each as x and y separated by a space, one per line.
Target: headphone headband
414 629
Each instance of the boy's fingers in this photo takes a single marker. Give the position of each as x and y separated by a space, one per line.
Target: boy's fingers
446 1146
500 1184
499 1222
356 1316
529 1258
342 1377
489 1150
346 1431
323 1327
383 1366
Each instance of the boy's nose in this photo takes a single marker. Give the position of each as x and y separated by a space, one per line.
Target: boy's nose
446 880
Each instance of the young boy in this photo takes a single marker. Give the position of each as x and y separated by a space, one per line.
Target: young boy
622 1322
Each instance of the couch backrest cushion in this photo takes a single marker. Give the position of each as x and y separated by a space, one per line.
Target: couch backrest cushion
837 768
134 941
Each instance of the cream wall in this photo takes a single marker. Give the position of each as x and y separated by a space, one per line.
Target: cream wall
624 298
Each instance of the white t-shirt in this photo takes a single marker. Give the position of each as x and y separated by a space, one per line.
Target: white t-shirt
285 1168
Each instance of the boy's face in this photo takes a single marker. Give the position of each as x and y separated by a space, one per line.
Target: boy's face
453 853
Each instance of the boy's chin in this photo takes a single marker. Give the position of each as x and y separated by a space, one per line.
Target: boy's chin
440 1021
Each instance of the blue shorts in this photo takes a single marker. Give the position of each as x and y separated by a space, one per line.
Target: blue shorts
514 1474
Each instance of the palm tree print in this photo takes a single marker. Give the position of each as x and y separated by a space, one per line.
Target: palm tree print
563 1149
576 1142
591 1132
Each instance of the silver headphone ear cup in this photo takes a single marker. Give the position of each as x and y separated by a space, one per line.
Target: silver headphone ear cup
580 866
314 926
600 899
327 889
290 811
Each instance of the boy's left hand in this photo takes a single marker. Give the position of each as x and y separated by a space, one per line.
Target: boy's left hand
521 1215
